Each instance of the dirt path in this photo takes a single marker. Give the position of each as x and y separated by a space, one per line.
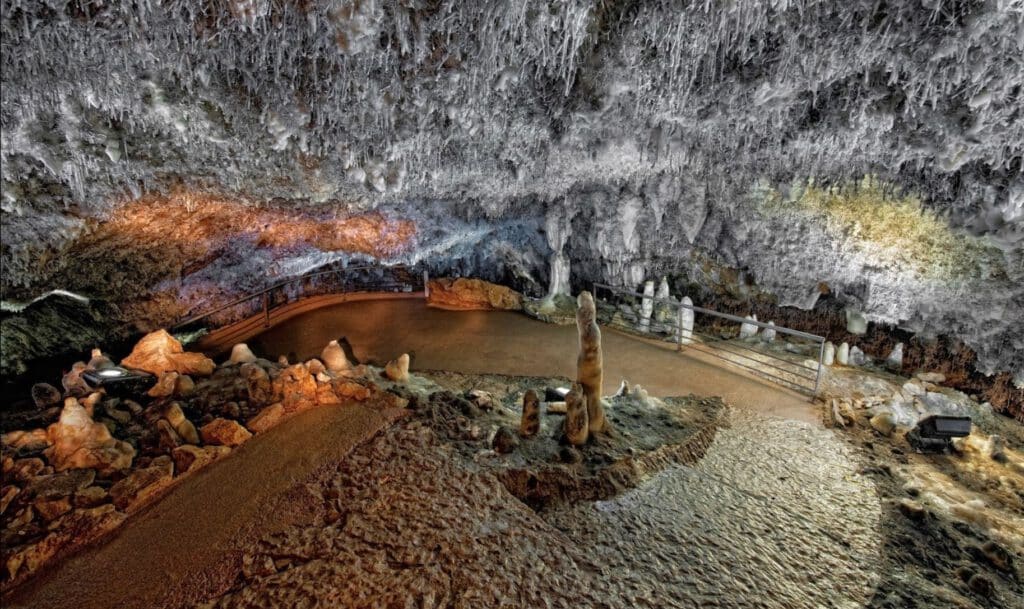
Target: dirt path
193 529
514 344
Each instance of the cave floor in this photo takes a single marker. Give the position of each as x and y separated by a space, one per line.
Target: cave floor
503 342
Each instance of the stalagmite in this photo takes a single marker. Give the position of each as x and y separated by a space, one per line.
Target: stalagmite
529 422
647 306
828 355
748 330
686 316
241 354
857 357
398 369
843 355
856 323
895 359
769 333
589 364
577 423
333 357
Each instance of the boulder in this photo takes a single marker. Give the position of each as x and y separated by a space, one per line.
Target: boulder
159 352
241 354
472 295
79 442
224 432
182 426
267 418
193 458
333 357
398 369
45 395
143 485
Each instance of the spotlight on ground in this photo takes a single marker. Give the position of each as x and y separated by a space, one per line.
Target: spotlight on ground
935 433
119 381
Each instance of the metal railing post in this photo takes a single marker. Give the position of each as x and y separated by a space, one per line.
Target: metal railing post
821 364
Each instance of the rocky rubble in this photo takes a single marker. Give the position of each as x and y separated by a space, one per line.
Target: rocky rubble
106 457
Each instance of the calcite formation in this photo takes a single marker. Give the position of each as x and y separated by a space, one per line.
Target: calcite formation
577 423
76 441
398 369
590 362
159 352
529 423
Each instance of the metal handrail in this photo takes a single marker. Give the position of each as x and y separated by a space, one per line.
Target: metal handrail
309 275
679 306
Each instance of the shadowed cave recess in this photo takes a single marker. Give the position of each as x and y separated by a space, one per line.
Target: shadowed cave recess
815 163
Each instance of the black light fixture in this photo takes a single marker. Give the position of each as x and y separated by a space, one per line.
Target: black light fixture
935 433
119 381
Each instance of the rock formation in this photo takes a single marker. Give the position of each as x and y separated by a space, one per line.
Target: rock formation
472 295
895 359
828 354
647 306
224 432
398 369
529 422
686 318
45 395
769 333
589 363
79 442
577 423
241 354
748 330
843 354
159 352
333 357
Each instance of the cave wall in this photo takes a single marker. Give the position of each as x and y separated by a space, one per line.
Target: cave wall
651 138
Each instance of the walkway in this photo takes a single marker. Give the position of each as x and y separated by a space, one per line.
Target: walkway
153 560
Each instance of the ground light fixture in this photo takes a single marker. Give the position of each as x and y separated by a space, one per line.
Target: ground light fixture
119 381
935 433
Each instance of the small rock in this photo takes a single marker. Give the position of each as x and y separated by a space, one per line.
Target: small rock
570 455
90 496
981 585
895 360
121 416
931 377
73 383
554 407
169 438
51 509
997 448
164 386
142 485
63 484
482 399
912 509
185 386
258 386
45 395
193 458
241 354
883 422
26 441
398 369
316 368
232 410
7 496
997 556
505 441
223 432
267 418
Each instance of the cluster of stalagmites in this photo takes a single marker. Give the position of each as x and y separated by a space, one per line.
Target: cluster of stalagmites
582 405
104 457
